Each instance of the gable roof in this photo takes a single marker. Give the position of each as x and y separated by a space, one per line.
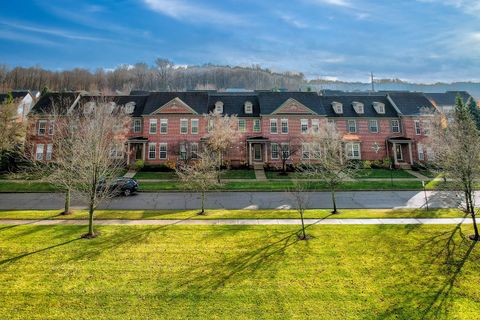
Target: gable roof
61 101
447 98
197 100
271 101
16 94
410 103
120 100
233 103
368 109
175 104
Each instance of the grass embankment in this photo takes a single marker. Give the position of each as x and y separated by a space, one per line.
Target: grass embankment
234 214
171 175
239 272
360 174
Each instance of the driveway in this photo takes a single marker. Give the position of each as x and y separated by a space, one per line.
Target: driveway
239 200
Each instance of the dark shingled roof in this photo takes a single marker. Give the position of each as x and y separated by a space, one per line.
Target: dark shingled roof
60 101
270 101
411 103
197 100
15 94
233 103
447 98
120 100
367 100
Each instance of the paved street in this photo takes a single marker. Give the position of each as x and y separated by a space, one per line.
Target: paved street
239 200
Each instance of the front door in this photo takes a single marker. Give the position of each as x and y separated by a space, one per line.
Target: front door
257 152
398 150
138 151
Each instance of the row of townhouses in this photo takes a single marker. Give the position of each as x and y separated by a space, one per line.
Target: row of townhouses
168 126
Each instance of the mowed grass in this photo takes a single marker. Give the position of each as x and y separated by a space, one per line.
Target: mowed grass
239 272
234 214
360 174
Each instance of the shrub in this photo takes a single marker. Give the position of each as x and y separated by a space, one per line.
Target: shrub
139 164
386 163
156 168
366 164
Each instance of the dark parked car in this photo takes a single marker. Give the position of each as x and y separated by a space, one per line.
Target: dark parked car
121 186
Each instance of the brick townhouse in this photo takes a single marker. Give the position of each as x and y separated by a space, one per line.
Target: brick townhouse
167 126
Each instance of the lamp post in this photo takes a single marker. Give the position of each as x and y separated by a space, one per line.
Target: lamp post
425 194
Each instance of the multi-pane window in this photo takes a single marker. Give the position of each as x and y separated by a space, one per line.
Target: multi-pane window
153 126
395 126
194 150
285 150
48 155
183 151
42 127
274 147
418 129
273 126
304 125
315 125
210 125
352 126
305 151
152 151
315 150
421 153
284 123
50 128
373 125
163 151
39 152
426 127
137 125
163 126
256 125
194 124
242 125
352 150
184 126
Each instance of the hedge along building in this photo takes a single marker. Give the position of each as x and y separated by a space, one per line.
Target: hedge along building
171 126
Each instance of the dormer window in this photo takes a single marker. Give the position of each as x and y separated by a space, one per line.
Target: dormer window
379 107
219 107
129 107
337 107
248 107
358 107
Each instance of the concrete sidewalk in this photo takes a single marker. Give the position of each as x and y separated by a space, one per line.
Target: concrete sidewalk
399 221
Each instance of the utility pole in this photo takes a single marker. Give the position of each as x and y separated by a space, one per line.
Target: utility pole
371 80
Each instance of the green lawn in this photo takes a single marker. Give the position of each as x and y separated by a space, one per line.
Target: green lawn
169 175
234 214
24 186
239 272
228 174
360 174
238 174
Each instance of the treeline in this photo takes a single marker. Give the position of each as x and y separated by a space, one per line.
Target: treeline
162 75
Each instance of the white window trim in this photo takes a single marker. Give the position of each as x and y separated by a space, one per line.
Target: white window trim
302 123
244 127
398 125
349 146
39 147
45 128
287 150
420 152
192 153
155 149
160 145
49 152
192 121
370 127
271 151
305 150
259 125
151 122
276 126
164 121
186 127
316 123
51 128
417 127
282 121
135 121
348 125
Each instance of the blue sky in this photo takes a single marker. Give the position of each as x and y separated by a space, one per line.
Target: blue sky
417 40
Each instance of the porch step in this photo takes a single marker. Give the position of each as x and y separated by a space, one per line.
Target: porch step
259 172
404 166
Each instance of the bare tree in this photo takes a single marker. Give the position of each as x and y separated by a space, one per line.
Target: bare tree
200 176
164 67
222 135
327 159
301 200
95 133
288 150
456 150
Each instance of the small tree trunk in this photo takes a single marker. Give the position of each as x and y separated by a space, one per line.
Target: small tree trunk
90 220
67 203
476 236
203 203
304 236
467 202
334 202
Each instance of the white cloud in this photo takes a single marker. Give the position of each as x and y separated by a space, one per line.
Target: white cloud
186 11
468 6
18 37
339 3
294 22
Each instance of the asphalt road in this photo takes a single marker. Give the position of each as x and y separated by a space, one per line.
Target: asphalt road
239 200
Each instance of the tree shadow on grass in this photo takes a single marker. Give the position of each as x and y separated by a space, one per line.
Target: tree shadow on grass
446 255
31 221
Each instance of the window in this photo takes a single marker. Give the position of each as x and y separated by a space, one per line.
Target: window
242 125
163 151
315 150
42 127
137 125
373 126
421 153
183 126
153 126
426 127
284 124
210 125
332 122
304 125
194 124
352 150
418 130
352 126
50 128
274 150
379 107
395 126
183 151
163 126
285 150
273 126
256 125
48 155
337 107
248 107
194 150
39 153
315 125
358 107
219 107
152 151
305 151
